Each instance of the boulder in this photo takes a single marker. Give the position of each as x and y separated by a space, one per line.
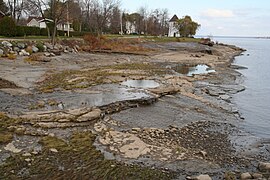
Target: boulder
21 45
203 177
24 53
6 44
1 52
245 176
16 49
48 46
264 166
90 116
257 175
35 49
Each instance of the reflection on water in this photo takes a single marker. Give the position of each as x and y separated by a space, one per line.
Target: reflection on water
190 70
140 83
254 102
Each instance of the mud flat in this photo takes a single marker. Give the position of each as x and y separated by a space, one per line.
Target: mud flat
167 115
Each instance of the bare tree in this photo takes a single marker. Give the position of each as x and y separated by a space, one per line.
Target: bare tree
38 7
15 8
102 11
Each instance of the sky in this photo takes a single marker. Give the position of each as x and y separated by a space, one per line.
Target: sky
217 17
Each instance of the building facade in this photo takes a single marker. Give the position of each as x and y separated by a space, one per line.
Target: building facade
173 31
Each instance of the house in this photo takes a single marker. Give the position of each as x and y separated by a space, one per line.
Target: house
41 23
173 31
37 22
131 28
2 14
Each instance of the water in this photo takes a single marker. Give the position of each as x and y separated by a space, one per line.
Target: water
190 70
254 102
140 83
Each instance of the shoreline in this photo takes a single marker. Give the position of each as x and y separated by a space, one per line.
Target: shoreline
184 122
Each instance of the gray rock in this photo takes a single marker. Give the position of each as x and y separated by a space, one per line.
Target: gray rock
24 53
1 52
35 49
48 46
21 45
6 44
16 49
225 97
264 166
257 175
203 177
246 175
90 116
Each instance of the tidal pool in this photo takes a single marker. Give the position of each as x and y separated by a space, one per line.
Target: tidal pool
141 83
190 70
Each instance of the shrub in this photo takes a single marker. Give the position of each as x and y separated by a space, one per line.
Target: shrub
40 47
7 27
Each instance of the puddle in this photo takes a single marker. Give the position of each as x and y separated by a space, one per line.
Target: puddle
190 70
141 83
100 95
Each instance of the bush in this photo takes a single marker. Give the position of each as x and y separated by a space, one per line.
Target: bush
40 47
7 27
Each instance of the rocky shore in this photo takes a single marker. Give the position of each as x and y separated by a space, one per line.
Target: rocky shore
166 114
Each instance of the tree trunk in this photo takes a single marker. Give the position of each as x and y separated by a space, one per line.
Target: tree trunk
54 34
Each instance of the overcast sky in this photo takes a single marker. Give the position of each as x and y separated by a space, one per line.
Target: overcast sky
217 17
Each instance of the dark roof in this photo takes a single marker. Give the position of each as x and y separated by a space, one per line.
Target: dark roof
174 18
33 17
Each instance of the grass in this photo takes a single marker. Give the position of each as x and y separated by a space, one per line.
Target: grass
77 79
76 159
6 134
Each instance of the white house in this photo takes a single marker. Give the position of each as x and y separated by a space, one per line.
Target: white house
130 28
41 23
173 31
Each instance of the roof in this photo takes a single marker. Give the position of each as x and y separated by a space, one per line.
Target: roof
174 18
30 18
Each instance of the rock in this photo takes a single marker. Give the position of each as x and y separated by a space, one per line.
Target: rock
54 150
90 116
203 177
48 46
21 45
6 44
264 166
257 175
56 52
24 53
246 176
203 153
26 155
28 160
1 52
35 49
225 97
16 49
10 147
47 54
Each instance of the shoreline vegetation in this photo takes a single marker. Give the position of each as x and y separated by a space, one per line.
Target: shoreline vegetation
66 114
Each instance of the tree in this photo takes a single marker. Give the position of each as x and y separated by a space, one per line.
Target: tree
3 7
187 27
7 27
